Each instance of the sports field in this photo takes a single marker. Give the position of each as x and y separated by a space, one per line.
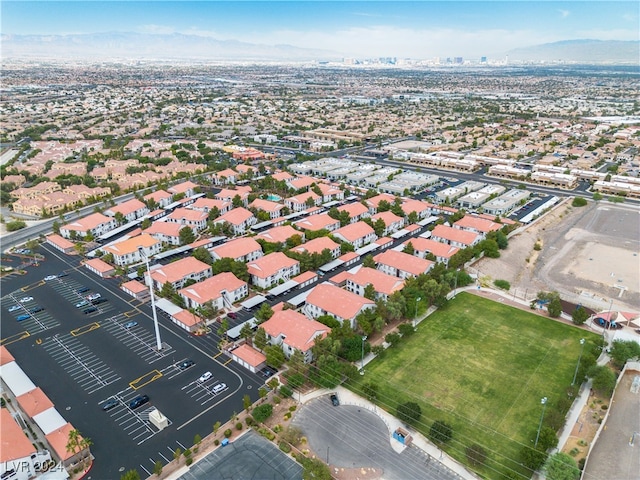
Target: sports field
482 367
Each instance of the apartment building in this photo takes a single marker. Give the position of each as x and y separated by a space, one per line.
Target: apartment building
243 249
293 331
222 290
271 269
179 272
344 306
402 265
95 224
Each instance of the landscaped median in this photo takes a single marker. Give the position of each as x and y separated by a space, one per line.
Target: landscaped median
482 368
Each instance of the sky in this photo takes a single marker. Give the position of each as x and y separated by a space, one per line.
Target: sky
418 29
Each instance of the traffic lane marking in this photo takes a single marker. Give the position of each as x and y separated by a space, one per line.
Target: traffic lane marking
15 338
85 329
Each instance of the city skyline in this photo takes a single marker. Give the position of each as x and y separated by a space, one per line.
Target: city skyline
360 29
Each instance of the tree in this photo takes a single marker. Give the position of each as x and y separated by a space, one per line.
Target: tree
157 468
578 202
203 255
547 439
264 313
213 214
120 219
246 332
604 380
554 307
623 350
246 402
561 467
216 427
222 329
379 227
15 225
370 390
186 236
236 201
262 412
579 315
146 223
409 412
130 475
368 261
369 292
275 356
408 248
260 340
314 469
440 432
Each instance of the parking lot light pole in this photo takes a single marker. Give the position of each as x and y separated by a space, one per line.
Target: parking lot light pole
455 285
415 318
153 302
582 341
543 401
364 337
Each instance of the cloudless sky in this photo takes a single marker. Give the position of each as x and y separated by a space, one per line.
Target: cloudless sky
365 28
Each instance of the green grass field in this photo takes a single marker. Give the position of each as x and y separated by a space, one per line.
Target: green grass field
483 367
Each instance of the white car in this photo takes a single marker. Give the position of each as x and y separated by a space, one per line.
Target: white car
26 299
50 277
205 376
219 387
15 308
93 296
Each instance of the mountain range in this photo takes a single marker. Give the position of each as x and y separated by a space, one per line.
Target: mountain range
180 47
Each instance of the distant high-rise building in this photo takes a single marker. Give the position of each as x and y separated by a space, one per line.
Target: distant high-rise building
458 60
483 59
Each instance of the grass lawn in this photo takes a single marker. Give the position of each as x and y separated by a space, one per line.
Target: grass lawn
482 367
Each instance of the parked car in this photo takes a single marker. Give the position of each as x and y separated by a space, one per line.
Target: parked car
186 364
36 309
93 296
205 376
98 301
25 299
138 401
81 303
89 310
129 325
14 308
334 400
83 289
232 315
50 277
109 404
22 317
219 387
63 274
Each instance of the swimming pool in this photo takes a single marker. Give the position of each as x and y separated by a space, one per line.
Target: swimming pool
273 197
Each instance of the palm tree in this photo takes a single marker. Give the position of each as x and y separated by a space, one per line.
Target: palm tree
73 441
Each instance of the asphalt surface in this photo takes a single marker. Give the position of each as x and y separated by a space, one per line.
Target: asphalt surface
349 436
249 457
81 360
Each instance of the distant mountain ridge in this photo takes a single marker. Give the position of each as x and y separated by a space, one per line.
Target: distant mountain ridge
580 51
176 46
99 46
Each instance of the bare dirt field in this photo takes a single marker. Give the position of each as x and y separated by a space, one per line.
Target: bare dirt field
590 255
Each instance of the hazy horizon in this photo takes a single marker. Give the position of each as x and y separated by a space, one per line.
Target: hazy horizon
357 28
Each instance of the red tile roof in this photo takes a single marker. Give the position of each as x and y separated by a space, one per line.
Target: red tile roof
381 282
354 209
316 222
5 356
188 214
187 318
176 271
169 229
403 261
270 264
127 207
388 218
451 234
354 231
99 265
278 234
300 332
58 439
14 444
210 288
438 249
317 245
337 301
236 248
250 355
236 216
266 205
480 224
34 402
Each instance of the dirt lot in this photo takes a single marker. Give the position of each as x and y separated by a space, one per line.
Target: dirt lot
588 254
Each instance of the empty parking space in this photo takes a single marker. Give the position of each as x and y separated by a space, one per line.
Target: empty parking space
134 421
205 391
143 342
76 294
80 363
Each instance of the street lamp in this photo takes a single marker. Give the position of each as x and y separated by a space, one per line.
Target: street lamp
153 302
415 318
543 401
455 285
364 337
582 341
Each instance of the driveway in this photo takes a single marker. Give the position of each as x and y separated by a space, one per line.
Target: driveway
350 436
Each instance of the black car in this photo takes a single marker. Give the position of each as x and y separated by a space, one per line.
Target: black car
138 401
98 301
186 364
36 309
83 289
334 400
109 404
90 310
63 274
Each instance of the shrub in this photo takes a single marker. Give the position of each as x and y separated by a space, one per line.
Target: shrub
285 391
276 399
440 432
227 433
287 415
216 442
537 247
15 225
578 202
249 421
293 408
476 455
502 284
239 426
189 461
285 447
409 412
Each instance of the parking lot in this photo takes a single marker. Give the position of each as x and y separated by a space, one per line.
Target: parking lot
83 360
